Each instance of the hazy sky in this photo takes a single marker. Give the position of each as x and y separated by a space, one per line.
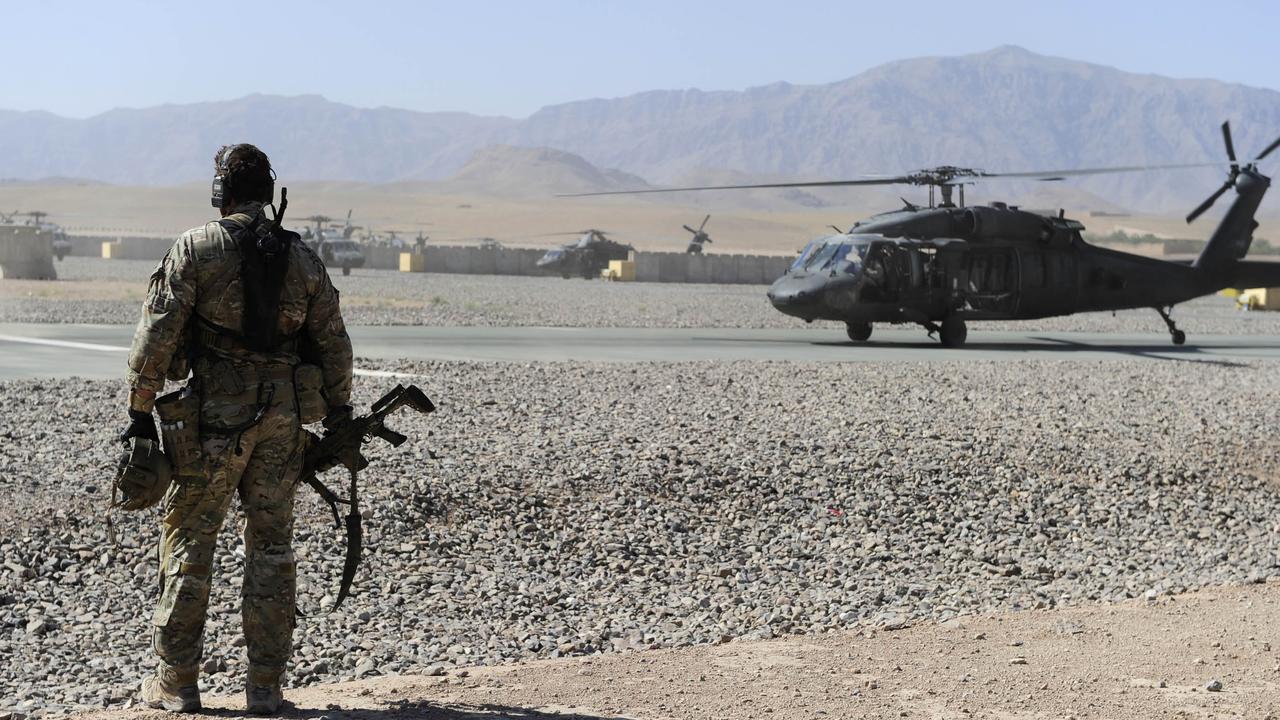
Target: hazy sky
510 58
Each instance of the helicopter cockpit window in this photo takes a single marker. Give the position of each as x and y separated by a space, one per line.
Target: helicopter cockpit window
807 253
824 256
845 259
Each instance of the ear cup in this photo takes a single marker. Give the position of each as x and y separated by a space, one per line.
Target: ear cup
218 192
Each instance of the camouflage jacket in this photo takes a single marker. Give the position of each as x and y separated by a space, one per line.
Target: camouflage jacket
199 280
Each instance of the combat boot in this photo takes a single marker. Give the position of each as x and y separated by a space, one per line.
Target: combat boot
262 694
172 689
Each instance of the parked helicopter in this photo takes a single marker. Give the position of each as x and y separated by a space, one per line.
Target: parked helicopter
60 242
334 244
944 265
700 237
586 256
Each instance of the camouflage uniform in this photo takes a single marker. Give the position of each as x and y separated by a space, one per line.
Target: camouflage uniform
193 310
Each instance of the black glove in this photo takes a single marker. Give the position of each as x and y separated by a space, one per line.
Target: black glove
141 425
338 415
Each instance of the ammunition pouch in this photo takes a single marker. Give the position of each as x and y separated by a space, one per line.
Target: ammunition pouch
142 475
308 388
180 428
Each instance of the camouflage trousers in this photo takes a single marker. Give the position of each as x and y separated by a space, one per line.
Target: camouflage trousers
261 465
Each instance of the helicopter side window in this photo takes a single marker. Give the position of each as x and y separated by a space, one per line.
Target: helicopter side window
916 259
997 273
977 273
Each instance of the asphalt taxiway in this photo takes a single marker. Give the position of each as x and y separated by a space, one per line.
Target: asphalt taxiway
98 351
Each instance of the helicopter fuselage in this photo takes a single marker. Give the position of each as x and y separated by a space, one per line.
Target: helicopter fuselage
928 265
585 258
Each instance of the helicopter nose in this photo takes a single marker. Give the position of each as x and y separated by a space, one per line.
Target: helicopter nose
795 296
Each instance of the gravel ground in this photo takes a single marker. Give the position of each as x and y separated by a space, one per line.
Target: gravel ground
110 291
579 508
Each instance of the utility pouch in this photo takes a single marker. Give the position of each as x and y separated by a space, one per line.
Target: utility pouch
308 384
179 413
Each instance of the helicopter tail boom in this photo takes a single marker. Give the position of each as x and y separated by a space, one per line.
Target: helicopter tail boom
1233 236
1255 274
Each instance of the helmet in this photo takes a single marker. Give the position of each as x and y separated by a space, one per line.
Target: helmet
142 476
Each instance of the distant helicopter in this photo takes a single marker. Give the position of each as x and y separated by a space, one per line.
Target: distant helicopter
943 265
61 244
586 257
333 244
699 237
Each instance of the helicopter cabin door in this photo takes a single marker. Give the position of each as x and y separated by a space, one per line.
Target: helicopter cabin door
1048 284
992 285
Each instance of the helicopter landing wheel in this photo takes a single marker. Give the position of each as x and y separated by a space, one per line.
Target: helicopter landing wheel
858 332
1179 337
953 332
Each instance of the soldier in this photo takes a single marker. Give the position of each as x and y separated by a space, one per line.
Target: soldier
243 304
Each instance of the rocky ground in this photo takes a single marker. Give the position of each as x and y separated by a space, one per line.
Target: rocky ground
576 509
110 291
1209 654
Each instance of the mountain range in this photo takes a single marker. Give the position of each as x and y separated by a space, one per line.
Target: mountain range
1006 109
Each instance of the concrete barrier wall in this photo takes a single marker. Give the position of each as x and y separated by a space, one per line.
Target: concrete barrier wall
382 258
671 267
137 248
131 248
682 267
26 253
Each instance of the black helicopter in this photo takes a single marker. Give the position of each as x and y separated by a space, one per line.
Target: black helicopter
586 256
700 237
943 265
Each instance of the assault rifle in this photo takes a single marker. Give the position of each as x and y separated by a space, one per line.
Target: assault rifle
340 445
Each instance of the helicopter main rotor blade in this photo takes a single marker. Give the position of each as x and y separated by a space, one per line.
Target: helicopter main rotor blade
574 232
1209 202
1231 147
1059 174
902 180
924 177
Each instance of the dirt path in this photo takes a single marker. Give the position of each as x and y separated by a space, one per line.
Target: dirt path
1149 660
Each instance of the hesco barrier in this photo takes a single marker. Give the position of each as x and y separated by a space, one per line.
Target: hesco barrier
471 260
26 252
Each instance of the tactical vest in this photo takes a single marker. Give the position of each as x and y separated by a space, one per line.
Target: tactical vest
221 238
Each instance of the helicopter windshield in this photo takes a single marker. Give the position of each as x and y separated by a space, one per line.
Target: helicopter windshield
807 253
840 253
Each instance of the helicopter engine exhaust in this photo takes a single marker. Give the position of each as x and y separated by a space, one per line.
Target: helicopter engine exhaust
992 223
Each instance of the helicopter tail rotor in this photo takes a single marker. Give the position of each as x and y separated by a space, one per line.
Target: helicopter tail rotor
1233 174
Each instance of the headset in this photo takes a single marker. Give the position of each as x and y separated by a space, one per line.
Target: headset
222 185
